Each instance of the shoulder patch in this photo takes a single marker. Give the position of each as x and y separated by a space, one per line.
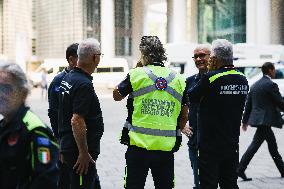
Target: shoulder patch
43 155
43 141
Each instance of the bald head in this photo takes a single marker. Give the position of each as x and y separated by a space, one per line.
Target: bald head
201 57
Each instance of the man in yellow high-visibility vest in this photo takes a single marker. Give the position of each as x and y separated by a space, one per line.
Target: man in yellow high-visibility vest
157 112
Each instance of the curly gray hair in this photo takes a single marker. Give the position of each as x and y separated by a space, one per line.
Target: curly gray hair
223 50
19 77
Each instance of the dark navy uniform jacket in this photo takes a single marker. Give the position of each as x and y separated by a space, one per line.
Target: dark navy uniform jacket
193 110
77 96
53 95
27 158
221 94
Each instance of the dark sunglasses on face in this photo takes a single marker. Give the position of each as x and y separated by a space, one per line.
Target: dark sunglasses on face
201 56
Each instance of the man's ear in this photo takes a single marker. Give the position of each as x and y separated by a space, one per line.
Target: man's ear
25 94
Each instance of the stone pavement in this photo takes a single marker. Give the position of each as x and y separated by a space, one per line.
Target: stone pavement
111 162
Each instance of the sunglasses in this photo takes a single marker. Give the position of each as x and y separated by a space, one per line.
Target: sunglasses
201 56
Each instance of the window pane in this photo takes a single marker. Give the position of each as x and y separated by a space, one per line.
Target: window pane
222 19
100 70
92 18
118 69
123 27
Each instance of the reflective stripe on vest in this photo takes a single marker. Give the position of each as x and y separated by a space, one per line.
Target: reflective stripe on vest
152 88
153 132
32 121
231 72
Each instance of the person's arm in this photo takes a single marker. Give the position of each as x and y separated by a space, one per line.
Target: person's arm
80 107
53 106
183 116
80 132
247 111
44 159
122 89
276 96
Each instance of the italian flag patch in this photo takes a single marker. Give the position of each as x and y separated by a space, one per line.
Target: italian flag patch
43 155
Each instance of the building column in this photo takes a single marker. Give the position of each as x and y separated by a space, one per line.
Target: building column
193 21
107 28
258 25
277 25
138 25
176 21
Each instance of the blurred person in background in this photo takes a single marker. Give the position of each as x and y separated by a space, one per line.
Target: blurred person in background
221 94
43 84
80 125
157 111
53 101
262 111
200 57
28 151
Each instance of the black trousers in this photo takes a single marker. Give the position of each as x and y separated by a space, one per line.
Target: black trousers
75 181
64 181
138 162
214 170
263 133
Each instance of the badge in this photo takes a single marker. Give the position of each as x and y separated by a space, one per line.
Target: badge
41 141
43 155
161 83
13 139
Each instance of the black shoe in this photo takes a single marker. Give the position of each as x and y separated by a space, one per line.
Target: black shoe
242 175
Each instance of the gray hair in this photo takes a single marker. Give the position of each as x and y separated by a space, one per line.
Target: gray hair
88 48
222 49
19 77
205 46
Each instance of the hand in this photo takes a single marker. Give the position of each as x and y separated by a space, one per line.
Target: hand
82 163
187 130
244 127
61 158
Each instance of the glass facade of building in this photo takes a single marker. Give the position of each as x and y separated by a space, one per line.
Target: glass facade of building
222 19
123 27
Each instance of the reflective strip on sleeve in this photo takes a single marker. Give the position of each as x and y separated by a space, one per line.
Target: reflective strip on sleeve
148 131
231 72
